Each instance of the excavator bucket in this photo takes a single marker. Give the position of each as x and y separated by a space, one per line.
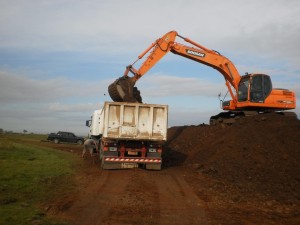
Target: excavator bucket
123 90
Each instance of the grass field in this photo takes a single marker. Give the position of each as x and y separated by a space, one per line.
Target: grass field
30 176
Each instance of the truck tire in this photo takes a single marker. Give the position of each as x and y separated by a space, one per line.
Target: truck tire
104 165
101 158
79 142
56 141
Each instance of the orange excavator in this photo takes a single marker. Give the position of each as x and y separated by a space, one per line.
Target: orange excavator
250 92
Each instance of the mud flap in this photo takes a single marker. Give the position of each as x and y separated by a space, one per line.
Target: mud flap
153 166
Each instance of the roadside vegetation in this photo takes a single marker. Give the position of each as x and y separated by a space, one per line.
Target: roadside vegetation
31 175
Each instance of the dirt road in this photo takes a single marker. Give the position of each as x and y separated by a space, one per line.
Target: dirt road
132 197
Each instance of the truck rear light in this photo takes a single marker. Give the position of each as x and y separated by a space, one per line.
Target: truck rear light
105 148
159 150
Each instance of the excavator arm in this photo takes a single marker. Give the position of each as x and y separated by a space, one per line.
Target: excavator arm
123 88
251 92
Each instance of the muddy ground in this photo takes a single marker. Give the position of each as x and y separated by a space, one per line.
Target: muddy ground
247 173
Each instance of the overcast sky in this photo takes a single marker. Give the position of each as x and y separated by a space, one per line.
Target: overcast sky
57 57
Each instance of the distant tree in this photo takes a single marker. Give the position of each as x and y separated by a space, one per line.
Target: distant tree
1 131
25 131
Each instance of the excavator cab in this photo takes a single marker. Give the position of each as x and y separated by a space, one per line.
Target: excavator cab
254 88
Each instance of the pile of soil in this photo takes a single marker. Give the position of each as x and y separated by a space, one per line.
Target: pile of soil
255 161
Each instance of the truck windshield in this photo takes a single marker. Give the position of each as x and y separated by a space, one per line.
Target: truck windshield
243 89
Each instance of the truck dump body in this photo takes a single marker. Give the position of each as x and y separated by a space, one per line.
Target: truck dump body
131 134
135 121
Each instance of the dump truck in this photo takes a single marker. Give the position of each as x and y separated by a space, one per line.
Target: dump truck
130 134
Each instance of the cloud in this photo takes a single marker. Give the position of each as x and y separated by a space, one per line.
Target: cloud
159 85
40 105
15 88
273 41
58 57
79 107
23 89
50 104
101 26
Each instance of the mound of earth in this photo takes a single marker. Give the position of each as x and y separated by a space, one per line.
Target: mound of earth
255 161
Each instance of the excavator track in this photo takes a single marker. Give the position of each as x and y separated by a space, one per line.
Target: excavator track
230 117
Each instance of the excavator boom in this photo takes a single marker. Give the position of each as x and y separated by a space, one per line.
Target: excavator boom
249 92
122 88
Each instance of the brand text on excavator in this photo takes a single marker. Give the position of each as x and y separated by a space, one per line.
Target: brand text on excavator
191 52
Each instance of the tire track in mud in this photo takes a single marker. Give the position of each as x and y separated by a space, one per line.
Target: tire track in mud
178 203
157 198
98 194
139 203
137 197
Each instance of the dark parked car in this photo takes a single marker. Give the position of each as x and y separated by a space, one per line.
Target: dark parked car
62 136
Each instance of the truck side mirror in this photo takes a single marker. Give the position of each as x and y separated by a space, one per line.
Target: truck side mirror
88 123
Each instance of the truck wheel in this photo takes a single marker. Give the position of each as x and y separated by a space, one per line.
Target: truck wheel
79 142
100 156
102 166
56 141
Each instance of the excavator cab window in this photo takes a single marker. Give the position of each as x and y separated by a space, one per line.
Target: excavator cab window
243 89
261 87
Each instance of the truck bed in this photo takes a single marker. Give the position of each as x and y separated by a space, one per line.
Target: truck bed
135 121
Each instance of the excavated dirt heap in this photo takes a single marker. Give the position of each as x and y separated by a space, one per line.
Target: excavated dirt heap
259 154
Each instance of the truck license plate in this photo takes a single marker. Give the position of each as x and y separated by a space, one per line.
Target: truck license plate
129 165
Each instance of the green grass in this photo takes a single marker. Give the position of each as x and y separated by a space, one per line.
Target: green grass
30 176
